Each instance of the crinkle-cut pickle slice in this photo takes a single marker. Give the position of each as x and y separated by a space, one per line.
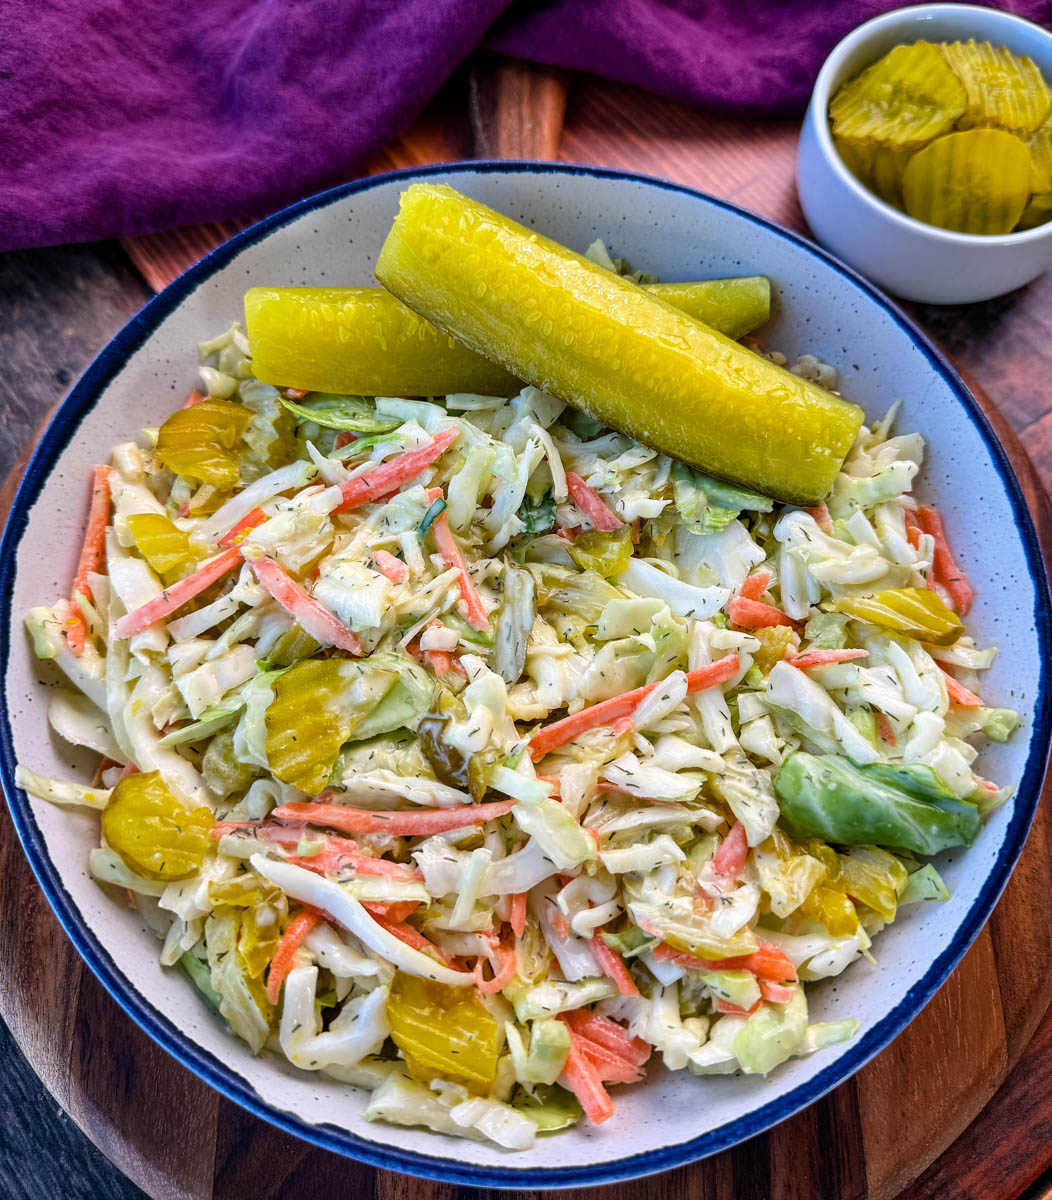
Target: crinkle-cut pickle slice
902 101
316 706
877 167
155 834
1037 212
1040 144
203 442
627 358
365 342
1002 88
976 181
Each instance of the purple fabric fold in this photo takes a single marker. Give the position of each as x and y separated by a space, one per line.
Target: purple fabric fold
119 118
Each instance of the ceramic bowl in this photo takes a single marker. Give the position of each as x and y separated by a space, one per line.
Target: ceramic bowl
908 257
678 234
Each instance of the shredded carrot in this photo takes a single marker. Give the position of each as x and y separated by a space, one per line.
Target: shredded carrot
959 694
297 393
343 438
412 937
885 730
605 1031
606 712
822 658
592 504
517 919
393 910
508 965
388 565
610 1066
731 853
92 554
734 1010
613 966
234 534
390 476
583 1080
944 567
755 586
822 518
174 597
559 922
775 993
421 822
474 610
285 953
754 614
767 961
194 399
312 617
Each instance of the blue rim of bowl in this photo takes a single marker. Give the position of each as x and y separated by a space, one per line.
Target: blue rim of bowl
62 427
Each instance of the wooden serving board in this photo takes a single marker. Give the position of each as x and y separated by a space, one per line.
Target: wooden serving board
878 1133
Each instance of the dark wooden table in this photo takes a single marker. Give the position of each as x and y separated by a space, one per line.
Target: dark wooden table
59 306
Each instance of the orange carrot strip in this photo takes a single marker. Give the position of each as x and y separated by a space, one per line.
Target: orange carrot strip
307 612
394 910
92 552
731 853
884 728
583 1080
776 993
592 504
508 965
390 476
944 566
606 712
766 962
194 399
412 937
754 614
518 913
474 610
733 1010
388 565
174 597
613 966
959 694
755 586
821 658
609 1065
605 1031
822 518
233 535
420 822
343 438
284 955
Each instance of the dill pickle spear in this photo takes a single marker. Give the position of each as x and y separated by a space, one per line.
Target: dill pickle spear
362 341
976 181
624 356
1003 89
903 100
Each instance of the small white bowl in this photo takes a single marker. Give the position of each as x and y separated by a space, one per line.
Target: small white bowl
908 257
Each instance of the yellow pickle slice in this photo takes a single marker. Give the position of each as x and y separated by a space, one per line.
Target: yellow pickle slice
155 834
902 101
976 181
878 167
1003 89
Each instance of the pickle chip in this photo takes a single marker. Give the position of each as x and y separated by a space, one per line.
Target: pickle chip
902 101
1002 88
976 181
1037 212
1041 160
878 167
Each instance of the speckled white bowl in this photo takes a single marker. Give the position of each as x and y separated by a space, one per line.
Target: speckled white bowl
679 234
908 257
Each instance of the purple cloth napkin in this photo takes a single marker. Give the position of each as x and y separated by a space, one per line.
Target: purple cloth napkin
120 117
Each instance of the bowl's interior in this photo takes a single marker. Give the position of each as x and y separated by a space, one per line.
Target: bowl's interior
931 23
678 235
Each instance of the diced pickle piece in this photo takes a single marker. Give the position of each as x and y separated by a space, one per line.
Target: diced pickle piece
916 612
159 541
881 169
317 705
977 181
830 908
605 553
874 878
292 647
596 340
902 101
153 832
1003 89
202 442
443 1032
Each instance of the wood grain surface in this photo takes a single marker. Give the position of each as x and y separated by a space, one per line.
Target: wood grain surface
872 1137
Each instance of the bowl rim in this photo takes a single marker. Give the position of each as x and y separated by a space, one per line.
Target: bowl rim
818 110
62 427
